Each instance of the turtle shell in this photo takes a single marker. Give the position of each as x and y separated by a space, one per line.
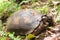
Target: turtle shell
23 21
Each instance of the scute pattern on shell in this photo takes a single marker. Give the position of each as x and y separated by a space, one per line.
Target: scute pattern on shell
23 21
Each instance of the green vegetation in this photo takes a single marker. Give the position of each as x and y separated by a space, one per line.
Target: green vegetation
7 8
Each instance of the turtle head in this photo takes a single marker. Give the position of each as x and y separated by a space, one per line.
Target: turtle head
48 19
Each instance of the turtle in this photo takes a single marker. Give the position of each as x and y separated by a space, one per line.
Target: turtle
25 21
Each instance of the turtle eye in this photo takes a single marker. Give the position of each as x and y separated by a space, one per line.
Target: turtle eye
44 17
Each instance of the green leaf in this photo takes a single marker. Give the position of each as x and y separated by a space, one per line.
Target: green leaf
58 8
44 10
11 36
4 5
30 36
2 38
